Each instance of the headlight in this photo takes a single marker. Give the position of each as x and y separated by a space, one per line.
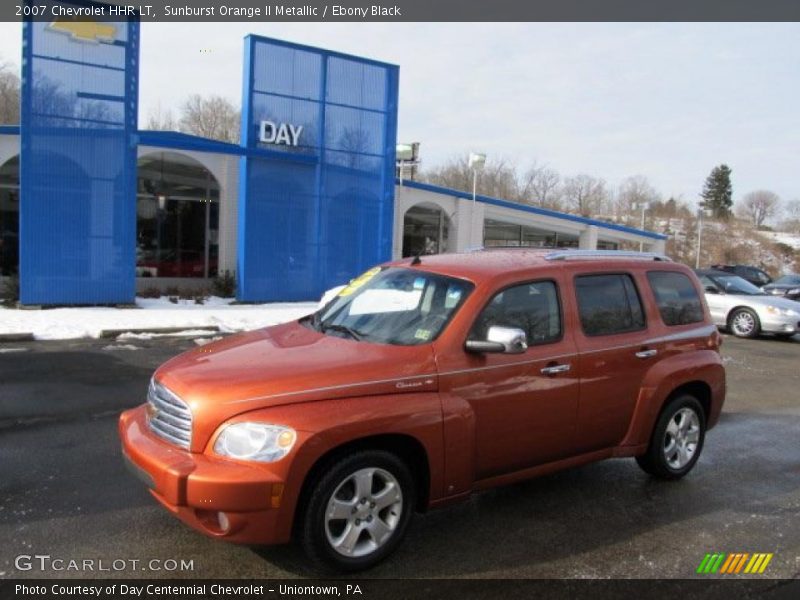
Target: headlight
784 312
255 441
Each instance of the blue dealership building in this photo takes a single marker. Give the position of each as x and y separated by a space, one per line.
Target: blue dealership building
93 208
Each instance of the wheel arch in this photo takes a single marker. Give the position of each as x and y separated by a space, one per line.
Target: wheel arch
698 389
405 446
740 307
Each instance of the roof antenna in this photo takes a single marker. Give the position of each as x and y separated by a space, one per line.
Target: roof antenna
416 261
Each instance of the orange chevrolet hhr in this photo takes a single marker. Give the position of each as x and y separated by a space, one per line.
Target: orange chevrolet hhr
425 380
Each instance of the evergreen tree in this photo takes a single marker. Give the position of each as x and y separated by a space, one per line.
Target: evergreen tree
718 191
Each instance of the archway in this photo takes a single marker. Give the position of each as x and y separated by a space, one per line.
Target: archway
426 230
177 217
9 217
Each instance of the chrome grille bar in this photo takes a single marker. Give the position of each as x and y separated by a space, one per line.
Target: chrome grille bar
168 416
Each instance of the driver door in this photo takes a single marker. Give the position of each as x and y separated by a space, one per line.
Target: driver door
525 411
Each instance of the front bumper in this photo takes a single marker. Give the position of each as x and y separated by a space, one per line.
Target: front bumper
196 487
776 324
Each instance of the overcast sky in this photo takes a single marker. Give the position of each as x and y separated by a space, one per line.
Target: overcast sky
667 101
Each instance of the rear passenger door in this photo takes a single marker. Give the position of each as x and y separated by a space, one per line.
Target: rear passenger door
613 356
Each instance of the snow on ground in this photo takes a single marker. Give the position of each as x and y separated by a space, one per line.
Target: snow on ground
781 237
70 323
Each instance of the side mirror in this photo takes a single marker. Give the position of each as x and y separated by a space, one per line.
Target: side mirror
710 289
504 340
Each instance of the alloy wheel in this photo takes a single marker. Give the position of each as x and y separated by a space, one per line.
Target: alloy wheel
363 512
743 323
681 438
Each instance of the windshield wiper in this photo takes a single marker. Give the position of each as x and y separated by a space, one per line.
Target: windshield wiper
356 335
312 320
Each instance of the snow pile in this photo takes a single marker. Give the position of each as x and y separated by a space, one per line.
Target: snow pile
70 323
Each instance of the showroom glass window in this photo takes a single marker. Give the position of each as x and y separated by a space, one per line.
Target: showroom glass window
677 299
9 217
609 304
177 214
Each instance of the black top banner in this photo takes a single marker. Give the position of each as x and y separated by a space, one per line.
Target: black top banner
416 10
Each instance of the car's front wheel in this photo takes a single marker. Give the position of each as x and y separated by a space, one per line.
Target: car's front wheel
744 323
358 511
677 439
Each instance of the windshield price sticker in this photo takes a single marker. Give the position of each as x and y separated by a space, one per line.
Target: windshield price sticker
359 281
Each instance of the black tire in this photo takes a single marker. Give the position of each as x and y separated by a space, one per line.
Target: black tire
747 315
338 478
655 461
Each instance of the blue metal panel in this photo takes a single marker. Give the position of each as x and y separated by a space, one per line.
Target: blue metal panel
324 213
78 161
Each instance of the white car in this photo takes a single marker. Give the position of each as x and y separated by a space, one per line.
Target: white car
744 309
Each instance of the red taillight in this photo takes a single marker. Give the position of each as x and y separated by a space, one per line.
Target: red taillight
715 341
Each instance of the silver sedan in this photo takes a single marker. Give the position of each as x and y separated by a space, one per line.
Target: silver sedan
745 310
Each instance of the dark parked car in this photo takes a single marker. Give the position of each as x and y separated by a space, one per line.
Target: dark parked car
787 286
754 275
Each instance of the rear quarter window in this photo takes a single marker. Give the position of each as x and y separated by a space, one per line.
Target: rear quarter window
676 297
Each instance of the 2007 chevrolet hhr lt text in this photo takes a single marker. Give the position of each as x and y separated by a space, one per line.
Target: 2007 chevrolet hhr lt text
422 381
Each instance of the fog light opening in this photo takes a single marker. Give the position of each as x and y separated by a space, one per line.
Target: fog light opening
223 522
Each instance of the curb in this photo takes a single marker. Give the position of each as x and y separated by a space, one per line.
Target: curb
16 337
113 333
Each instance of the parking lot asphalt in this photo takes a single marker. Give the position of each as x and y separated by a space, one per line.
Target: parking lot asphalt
64 491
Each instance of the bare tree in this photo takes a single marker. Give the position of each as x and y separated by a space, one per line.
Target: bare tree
541 186
160 119
9 94
791 212
633 192
585 194
213 117
758 206
497 178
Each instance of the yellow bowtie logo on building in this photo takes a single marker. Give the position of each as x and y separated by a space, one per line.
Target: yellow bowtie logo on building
85 30
734 563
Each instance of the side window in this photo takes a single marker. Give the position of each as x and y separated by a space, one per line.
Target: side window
706 282
608 304
676 297
532 307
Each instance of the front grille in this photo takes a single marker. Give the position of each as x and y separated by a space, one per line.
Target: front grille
168 416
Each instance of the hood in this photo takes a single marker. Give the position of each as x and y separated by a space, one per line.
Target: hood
770 300
780 286
287 364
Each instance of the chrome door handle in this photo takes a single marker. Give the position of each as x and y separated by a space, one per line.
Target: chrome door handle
646 353
555 369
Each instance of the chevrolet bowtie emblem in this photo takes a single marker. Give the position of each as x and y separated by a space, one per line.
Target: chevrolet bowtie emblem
86 30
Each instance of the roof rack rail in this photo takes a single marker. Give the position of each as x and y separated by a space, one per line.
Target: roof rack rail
567 254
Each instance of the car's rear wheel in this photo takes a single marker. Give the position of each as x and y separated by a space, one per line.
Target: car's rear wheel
358 511
744 323
677 439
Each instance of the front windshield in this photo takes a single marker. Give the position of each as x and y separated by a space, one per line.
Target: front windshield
788 280
392 305
733 284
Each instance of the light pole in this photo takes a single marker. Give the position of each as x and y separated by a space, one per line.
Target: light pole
644 206
476 163
700 212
